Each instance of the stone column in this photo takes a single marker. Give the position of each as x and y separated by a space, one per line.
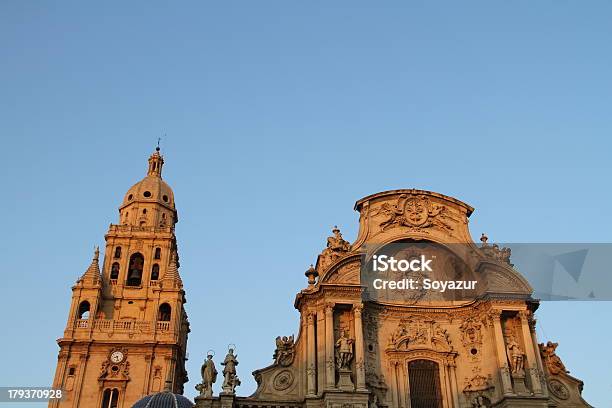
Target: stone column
395 386
532 366
540 363
500 346
330 372
454 389
359 349
311 363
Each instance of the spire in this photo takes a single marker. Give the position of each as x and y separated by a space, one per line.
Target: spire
92 274
156 162
172 275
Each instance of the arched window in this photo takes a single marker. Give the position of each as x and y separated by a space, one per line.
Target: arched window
157 253
424 379
111 398
165 311
84 310
155 272
135 270
118 252
114 274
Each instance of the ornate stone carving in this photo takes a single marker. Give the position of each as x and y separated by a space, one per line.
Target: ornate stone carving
285 351
419 333
478 383
471 338
116 366
494 251
283 380
558 389
337 247
551 359
209 377
415 212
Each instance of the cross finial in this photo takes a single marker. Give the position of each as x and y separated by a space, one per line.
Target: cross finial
159 140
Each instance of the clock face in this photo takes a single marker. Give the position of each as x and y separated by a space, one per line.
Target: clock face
116 357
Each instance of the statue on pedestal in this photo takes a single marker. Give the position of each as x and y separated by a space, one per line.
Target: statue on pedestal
515 356
344 351
230 379
209 377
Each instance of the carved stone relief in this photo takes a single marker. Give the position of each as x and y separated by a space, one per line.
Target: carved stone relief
419 333
415 212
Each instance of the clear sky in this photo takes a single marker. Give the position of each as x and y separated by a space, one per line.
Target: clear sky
279 115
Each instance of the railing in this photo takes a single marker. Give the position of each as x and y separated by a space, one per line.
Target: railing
163 326
121 325
81 324
136 228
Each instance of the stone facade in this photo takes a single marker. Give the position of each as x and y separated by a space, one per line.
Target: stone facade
127 329
480 351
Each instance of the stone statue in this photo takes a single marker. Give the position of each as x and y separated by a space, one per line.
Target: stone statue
285 351
209 377
230 379
553 362
374 402
515 355
344 351
336 248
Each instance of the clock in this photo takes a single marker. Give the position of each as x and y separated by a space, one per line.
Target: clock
116 357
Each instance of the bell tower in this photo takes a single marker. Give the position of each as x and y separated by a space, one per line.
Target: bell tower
127 328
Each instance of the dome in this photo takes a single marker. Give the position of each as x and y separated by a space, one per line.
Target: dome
151 189
164 399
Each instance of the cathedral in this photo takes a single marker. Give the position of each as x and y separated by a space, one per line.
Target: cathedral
455 328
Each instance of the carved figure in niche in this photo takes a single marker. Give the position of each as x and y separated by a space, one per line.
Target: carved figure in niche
344 351
209 377
230 379
285 351
374 402
336 248
553 362
515 355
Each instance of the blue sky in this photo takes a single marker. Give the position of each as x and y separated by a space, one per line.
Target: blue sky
278 116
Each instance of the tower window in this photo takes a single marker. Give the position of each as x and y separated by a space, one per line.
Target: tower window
147 194
144 210
157 253
84 310
130 197
71 371
165 198
135 270
111 398
118 252
155 272
114 271
165 311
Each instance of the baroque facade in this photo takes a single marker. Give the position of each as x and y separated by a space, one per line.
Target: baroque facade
355 349
127 328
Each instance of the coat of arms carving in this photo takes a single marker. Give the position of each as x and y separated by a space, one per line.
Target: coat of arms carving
414 211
